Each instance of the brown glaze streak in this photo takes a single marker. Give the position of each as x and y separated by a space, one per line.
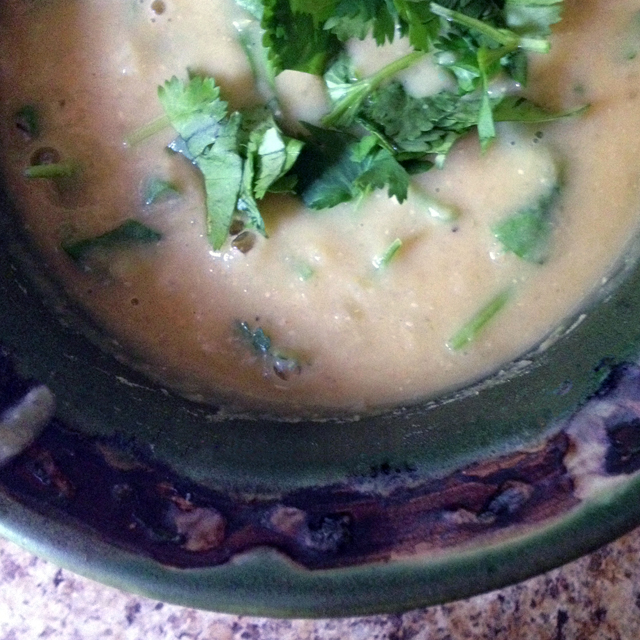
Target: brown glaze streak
146 508
149 510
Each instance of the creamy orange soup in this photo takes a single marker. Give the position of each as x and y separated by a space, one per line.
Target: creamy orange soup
364 337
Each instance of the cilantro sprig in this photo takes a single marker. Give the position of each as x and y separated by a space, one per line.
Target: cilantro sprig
348 93
506 38
241 155
319 25
476 40
376 134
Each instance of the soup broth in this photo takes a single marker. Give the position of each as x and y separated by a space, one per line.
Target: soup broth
361 304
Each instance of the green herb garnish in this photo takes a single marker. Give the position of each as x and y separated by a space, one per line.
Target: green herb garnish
210 139
417 127
376 134
27 120
469 332
506 38
259 341
157 190
240 155
250 38
348 94
295 39
527 232
382 261
147 131
129 233
53 170
337 167
532 16
283 364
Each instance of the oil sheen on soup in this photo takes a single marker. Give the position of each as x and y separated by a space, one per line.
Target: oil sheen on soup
352 308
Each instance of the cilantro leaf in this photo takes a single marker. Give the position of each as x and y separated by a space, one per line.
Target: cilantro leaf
356 19
527 232
283 363
240 155
305 34
294 39
501 36
384 18
337 167
414 127
320 10
418 23
250 36
195 111
421 126
275 154
130 232
221 166
326 171
210 140
379 169
269 155
458 55
246 200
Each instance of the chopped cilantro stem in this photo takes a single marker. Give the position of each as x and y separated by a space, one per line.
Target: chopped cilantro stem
147 131
469 332
53 170
250 39
380 262
395 67
505 37
347 106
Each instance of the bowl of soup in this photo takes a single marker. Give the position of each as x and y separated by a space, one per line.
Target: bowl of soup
307 321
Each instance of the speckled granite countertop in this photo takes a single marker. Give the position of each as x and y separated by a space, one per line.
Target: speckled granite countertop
595 598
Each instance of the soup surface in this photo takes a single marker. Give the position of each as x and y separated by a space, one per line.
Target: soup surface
362 330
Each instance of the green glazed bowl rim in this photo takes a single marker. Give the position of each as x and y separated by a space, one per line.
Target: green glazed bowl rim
264 583
409 508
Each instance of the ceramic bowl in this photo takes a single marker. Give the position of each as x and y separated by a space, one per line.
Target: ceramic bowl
140 489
